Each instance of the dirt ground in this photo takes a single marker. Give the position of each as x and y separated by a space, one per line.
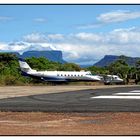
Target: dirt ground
46 123
39 123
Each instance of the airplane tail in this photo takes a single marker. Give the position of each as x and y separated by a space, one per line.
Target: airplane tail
24 66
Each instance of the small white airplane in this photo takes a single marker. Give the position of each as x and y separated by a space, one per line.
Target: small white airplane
110 79
57 76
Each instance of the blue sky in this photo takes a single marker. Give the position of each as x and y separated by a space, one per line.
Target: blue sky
107 29
59 19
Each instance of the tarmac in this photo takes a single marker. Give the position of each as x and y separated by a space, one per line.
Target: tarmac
116 99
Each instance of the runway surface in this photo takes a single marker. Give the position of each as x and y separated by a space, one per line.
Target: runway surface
92 100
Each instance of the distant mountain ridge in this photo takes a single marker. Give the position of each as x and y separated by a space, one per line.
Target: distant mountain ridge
108 59
52 55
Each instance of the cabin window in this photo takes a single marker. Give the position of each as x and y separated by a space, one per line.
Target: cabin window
61 74
57 74
88 74
71 75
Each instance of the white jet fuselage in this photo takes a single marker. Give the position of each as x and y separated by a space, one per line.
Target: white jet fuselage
56 76
63 75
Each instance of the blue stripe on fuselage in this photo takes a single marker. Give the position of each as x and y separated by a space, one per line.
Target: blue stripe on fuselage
24 73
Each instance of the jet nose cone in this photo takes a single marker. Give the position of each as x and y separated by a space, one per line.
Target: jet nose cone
97 78
121 80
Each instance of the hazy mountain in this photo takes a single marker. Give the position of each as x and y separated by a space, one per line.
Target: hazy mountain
51 55
108 59
25 49
15 53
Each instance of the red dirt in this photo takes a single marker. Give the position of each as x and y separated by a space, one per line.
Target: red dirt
37 123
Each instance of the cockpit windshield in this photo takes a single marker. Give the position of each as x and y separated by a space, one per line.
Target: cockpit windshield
88 74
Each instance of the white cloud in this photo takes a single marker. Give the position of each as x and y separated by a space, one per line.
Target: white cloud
111 17
90 47
56 36
12 47
88 37
41 20
117 16
83 48
3 46
25 46
5 18
125 36
89 26
35 38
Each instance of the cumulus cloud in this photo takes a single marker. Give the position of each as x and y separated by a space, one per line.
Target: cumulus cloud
12 47
90 47
22 46
3 46
56 36
83 48
92 37
125 36
35 38
112 17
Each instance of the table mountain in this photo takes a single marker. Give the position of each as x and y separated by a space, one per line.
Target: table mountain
108 59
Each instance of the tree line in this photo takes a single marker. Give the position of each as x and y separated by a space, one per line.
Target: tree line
10 71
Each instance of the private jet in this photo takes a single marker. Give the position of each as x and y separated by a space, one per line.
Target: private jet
56 76
111 79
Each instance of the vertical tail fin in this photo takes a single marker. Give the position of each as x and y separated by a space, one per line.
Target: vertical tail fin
24 66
